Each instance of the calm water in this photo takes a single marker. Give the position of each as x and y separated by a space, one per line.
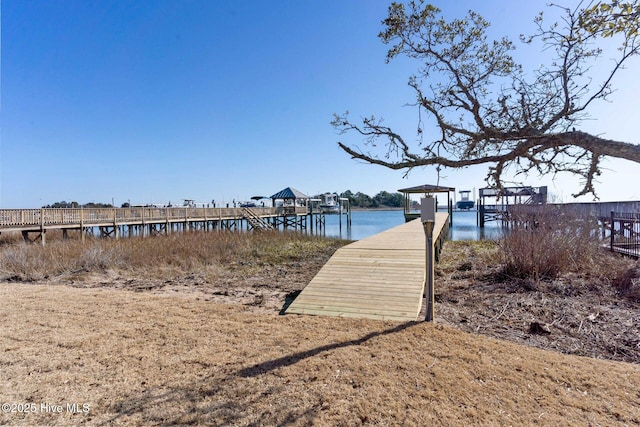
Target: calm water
368 223
465 228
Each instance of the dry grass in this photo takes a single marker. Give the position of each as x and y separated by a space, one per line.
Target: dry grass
592 312
627 282
548 243
137 359
168 257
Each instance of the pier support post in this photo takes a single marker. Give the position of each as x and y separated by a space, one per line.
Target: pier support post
613 228
82 230
428 218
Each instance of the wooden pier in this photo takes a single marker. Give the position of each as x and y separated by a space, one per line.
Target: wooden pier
380 277
505 199
144 221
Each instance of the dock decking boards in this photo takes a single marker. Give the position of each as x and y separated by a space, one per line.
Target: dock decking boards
380 277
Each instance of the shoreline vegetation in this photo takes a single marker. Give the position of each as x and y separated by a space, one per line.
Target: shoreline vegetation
186 328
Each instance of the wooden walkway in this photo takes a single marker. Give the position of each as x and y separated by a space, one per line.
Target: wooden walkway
380 277
142 221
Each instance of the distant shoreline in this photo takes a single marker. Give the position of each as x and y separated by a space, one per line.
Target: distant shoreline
385 208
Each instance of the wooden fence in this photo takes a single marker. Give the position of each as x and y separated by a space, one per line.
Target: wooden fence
597 210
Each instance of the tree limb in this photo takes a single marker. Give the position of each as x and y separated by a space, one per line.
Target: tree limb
485 108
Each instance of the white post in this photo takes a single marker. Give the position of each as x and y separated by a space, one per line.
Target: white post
428 218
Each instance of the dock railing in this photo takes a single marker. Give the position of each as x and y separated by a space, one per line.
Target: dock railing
18 219
47 218
625 233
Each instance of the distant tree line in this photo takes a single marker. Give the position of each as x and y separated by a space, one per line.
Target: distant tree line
64 204
382 199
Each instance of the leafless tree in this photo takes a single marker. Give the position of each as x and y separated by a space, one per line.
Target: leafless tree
476 105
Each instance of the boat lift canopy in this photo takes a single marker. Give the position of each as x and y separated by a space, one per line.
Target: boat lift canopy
426 189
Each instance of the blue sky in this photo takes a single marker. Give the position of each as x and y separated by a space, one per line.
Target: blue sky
158 101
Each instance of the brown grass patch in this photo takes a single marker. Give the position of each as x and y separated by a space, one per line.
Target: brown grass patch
146 360
592 312
627 282
251 268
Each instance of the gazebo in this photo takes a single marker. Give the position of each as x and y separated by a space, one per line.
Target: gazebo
290 197
293 207
425 189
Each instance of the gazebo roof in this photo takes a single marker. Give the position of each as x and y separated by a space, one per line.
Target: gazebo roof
289 194
427 188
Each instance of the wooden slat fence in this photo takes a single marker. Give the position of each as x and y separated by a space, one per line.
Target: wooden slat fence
596 210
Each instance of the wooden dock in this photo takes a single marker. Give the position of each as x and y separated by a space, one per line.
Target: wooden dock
144 221
380 277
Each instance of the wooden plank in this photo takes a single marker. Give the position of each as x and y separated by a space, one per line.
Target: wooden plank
361 306
339 313
380 277
364 310
311 295
359 292
371 282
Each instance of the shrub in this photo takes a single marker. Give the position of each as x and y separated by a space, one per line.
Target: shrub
627 283
544 243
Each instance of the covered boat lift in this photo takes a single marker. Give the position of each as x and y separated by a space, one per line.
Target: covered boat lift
412 212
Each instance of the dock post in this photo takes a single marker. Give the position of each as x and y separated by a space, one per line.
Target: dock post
612 239
42 229
82 230
116 228
428 218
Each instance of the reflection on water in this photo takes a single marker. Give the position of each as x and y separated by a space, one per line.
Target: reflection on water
368 223
465 228
363 224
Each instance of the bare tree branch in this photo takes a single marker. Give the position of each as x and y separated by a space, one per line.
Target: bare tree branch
487 110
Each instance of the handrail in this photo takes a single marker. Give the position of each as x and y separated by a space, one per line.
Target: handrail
47 217
255 219
91 217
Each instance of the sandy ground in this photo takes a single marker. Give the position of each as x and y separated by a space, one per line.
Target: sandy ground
117 350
